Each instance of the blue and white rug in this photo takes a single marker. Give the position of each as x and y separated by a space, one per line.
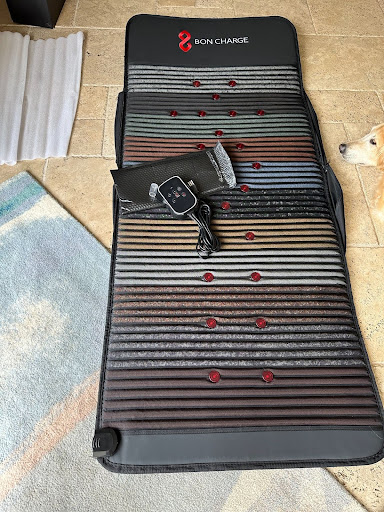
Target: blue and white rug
53 292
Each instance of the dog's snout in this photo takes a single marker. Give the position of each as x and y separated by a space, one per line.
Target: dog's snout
342 148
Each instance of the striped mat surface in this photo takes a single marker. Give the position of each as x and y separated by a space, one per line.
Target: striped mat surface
277 290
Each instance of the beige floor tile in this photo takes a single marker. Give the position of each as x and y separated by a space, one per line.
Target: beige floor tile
359 226
47 33
110 13
366 267
21 29
214 3
196 12
370 177
109 139
378 370
355 17
347 106
351 63
34 167
92 102
87 137
84 187
5 17
295 10
180 3
113 93
67 15
104 57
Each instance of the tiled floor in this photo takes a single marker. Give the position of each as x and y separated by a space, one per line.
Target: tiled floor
342 49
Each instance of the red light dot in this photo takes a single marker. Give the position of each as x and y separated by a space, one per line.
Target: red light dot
261 323
219 133
232 83
211 323
173 113
215 96
250 235
260 112
196 83
208 276
244 188
240 146
256 165
255 276
225 205
267 376
202 113
214 376
233 113
201 147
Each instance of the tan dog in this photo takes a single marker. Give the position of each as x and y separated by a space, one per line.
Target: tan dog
368 151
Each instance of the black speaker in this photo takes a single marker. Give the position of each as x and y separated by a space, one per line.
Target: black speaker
42 13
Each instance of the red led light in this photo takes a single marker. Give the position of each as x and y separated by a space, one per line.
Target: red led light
225 205
260 112
261 323
232 83
196 83
267 376
208 276
202 113
214 376
201 146
211 323
233 113
240 146
255 276
250 235
219 133
173 113
244 188
256 165
215 96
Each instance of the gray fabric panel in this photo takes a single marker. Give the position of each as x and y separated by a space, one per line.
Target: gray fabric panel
261 446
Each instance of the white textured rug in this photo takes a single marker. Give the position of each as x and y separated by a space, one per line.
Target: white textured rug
39 91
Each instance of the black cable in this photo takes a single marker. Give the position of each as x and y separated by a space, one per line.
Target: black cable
207 242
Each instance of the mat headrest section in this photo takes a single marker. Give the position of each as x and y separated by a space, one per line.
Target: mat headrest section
159 40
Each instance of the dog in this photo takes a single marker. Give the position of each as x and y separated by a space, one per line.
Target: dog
368 150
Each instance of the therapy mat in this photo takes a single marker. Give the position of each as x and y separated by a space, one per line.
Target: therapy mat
252 358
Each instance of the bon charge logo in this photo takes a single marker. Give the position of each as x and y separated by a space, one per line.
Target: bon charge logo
185 37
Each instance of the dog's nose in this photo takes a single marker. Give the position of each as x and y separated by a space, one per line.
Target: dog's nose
342 148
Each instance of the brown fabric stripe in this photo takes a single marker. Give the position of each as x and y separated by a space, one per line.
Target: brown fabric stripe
236 423
212 141
240 413
232 384
186 373
216 403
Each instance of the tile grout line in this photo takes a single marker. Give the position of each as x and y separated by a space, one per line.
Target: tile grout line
380 100
75 13
45 170
310 13
364 192
381 5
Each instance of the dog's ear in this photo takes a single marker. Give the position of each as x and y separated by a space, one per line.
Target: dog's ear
379 132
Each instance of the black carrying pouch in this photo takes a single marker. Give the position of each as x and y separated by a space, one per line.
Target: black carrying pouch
210 171
281 378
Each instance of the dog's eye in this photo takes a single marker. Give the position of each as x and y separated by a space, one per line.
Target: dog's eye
373 141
